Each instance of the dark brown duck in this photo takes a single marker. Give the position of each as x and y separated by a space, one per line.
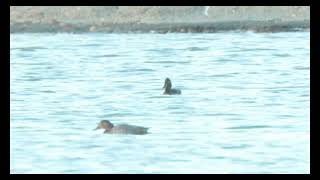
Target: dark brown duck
168 88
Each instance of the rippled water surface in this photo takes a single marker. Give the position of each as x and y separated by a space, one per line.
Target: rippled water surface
244 107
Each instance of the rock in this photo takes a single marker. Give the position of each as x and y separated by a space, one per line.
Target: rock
92 28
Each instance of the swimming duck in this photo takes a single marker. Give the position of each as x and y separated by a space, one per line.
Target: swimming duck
121 128
167 86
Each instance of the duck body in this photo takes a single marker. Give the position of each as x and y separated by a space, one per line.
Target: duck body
127 129
172 91
168 88
121 128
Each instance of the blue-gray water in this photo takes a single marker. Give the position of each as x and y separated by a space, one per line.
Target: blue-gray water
244 108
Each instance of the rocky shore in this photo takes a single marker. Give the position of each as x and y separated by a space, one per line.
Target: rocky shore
158 19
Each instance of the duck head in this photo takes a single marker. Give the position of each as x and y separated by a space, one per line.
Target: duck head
104 124
167 84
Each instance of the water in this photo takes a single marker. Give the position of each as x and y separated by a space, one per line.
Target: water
244 108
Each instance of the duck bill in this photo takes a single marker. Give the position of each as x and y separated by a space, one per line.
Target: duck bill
165 85
96 128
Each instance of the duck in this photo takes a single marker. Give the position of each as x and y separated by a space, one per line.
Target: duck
121 128
168 90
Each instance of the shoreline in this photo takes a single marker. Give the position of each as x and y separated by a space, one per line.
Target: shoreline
204 27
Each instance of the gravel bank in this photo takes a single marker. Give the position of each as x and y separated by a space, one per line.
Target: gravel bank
160 19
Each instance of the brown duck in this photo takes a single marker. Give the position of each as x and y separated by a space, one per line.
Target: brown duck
121 128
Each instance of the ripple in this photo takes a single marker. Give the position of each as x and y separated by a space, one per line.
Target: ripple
196 48
273 104
239 160
232 87
28 48
250 127
160 96
48 91
107 55
252 49
221 114
301 68
161 50
120 114
241 146
168 62
224 60
30 79
217 157
128 70
89 45
224 75
266 163
282 55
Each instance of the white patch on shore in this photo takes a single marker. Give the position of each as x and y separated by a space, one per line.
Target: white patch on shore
206 9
